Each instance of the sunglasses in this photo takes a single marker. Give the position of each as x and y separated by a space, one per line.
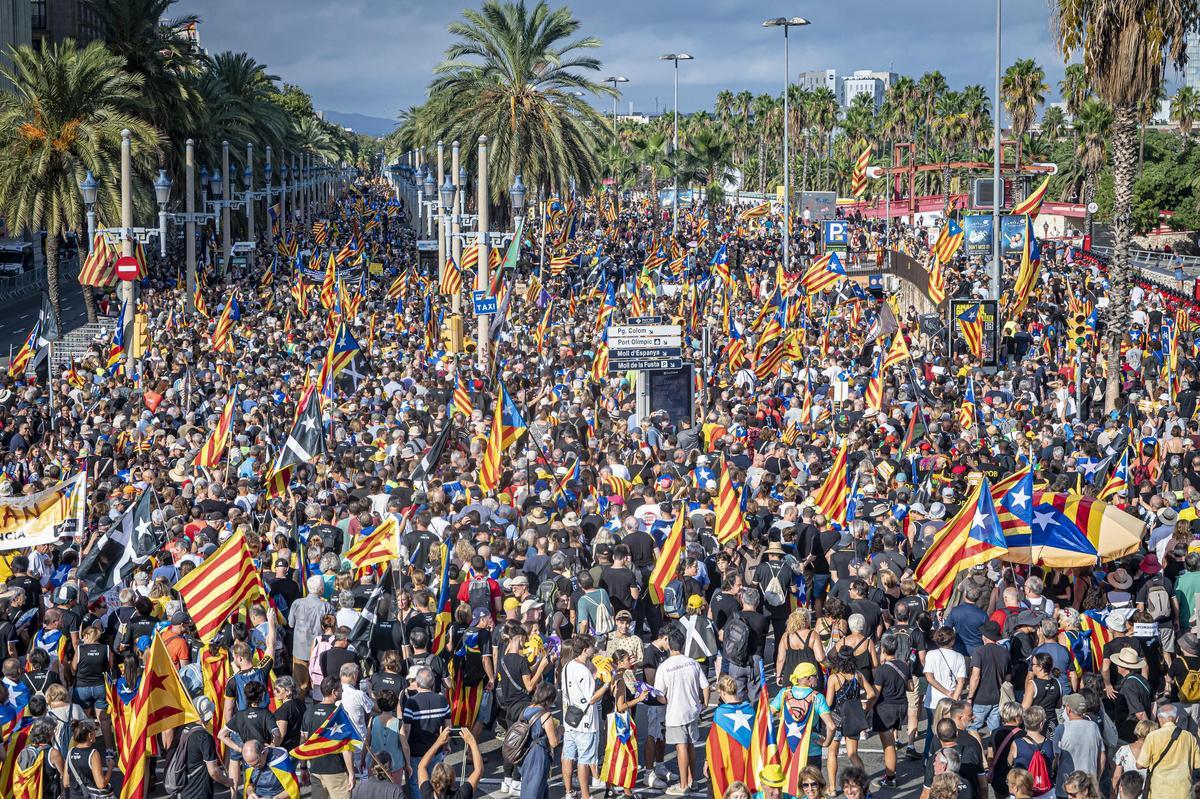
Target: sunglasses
810 785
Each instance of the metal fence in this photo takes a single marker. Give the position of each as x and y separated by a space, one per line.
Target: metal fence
1165 262
15 287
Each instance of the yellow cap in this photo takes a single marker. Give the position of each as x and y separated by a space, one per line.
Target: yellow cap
512 603
695 601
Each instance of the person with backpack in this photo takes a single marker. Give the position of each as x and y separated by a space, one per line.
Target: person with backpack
88 775
193 767
1156 595
593 609
741 646
41 744
1184 675
1036 753
1171 755
479 590
774 578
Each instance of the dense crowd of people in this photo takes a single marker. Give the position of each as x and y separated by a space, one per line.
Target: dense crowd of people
543 606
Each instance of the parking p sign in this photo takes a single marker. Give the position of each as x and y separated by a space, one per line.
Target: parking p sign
837 234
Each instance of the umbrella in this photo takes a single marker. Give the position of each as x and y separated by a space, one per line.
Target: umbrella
1070 530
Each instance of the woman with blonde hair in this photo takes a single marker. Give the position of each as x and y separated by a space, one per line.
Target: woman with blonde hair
1020 784
736 790
800 644
944 786
1125 760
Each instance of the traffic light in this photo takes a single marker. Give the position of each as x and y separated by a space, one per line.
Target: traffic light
1077 330
452 334
141 335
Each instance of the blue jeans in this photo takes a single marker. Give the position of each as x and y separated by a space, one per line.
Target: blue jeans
91 696
414 790
986 716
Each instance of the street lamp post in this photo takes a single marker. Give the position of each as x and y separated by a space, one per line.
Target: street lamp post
267 179
189 230
614 81
90 189
455 223
162 194
248 175
997 183
676 58
130 286
786 23
441 211
226 196
481 272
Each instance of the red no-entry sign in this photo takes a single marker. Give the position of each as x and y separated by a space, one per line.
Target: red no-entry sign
127 268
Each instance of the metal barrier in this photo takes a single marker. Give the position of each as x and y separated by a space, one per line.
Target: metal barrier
15 287
1162 261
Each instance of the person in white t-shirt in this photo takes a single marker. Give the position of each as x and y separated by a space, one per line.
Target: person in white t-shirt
686 689
581 740
946 672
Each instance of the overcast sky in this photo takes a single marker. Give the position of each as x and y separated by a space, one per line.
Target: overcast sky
375 56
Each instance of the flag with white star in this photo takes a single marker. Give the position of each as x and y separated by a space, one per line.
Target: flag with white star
307 439
336 734
728 746
127 544
974 536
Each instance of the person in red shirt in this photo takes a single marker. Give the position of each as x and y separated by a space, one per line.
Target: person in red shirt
1010 608
477 580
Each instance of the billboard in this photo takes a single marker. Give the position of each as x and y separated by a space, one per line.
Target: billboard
818 206
837 234
1012 234
977 235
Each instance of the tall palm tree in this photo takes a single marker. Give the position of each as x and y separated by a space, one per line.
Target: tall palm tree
1023 89
157 49
652 153
823 112
1093 127
64 118
1125 48
1185 107
1074 88
513 74
977 105
930 87
708 160
1054 122
952 127
724 106
762 108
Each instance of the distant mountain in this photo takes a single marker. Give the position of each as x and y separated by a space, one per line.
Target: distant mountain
361 123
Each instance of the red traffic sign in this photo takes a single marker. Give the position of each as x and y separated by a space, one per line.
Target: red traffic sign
127 268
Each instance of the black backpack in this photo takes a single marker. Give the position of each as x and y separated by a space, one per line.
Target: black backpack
735 642
176 775
906 653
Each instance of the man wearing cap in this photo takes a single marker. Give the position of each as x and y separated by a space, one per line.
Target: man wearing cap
1078 738
200 761
1155 594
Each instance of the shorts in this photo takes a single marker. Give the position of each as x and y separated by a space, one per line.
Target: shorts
655 718
1166 637
91 696
685 734
916 692
581 747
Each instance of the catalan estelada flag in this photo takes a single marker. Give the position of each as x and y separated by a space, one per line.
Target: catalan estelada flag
728 747
620 766
874 395
280 765
16 367
797 718
508 425
972 537
1118 481
336 734
27 780
948 241
668 559
382 545
858 178
972 329
937 282
1098 636
212 451
1031 262
823 274
465 700
219 586
764 750
967 411
833 497
14 742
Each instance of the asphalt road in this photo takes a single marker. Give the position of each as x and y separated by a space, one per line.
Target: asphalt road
17 317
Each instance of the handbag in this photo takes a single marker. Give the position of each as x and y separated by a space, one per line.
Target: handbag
572 714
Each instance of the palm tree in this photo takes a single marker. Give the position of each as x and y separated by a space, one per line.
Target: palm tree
1124 56
724 107
1093 127
64 118
977 105
513 74
169 62
1074 88
1054 122
1023 89
652 153
823 112
1185 107
930 87
952 127
762 107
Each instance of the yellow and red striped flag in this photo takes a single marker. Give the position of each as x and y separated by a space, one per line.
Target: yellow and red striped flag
755 211
16 366
382 545
210 454
329 284
668 559
1032 204
222 335
452 280
219 586
833 496
462 398
620 766
731 524
858 178
937 282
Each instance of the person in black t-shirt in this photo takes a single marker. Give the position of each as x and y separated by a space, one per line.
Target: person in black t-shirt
331 772
621 582
725 602
289 712
425 715
389 675
421 656
889 709
201 763
254 723
440 782
989 666
284 590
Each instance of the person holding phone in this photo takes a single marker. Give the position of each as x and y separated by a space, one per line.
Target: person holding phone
441 782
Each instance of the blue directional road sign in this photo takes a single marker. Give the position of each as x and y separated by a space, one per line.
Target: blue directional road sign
485 305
